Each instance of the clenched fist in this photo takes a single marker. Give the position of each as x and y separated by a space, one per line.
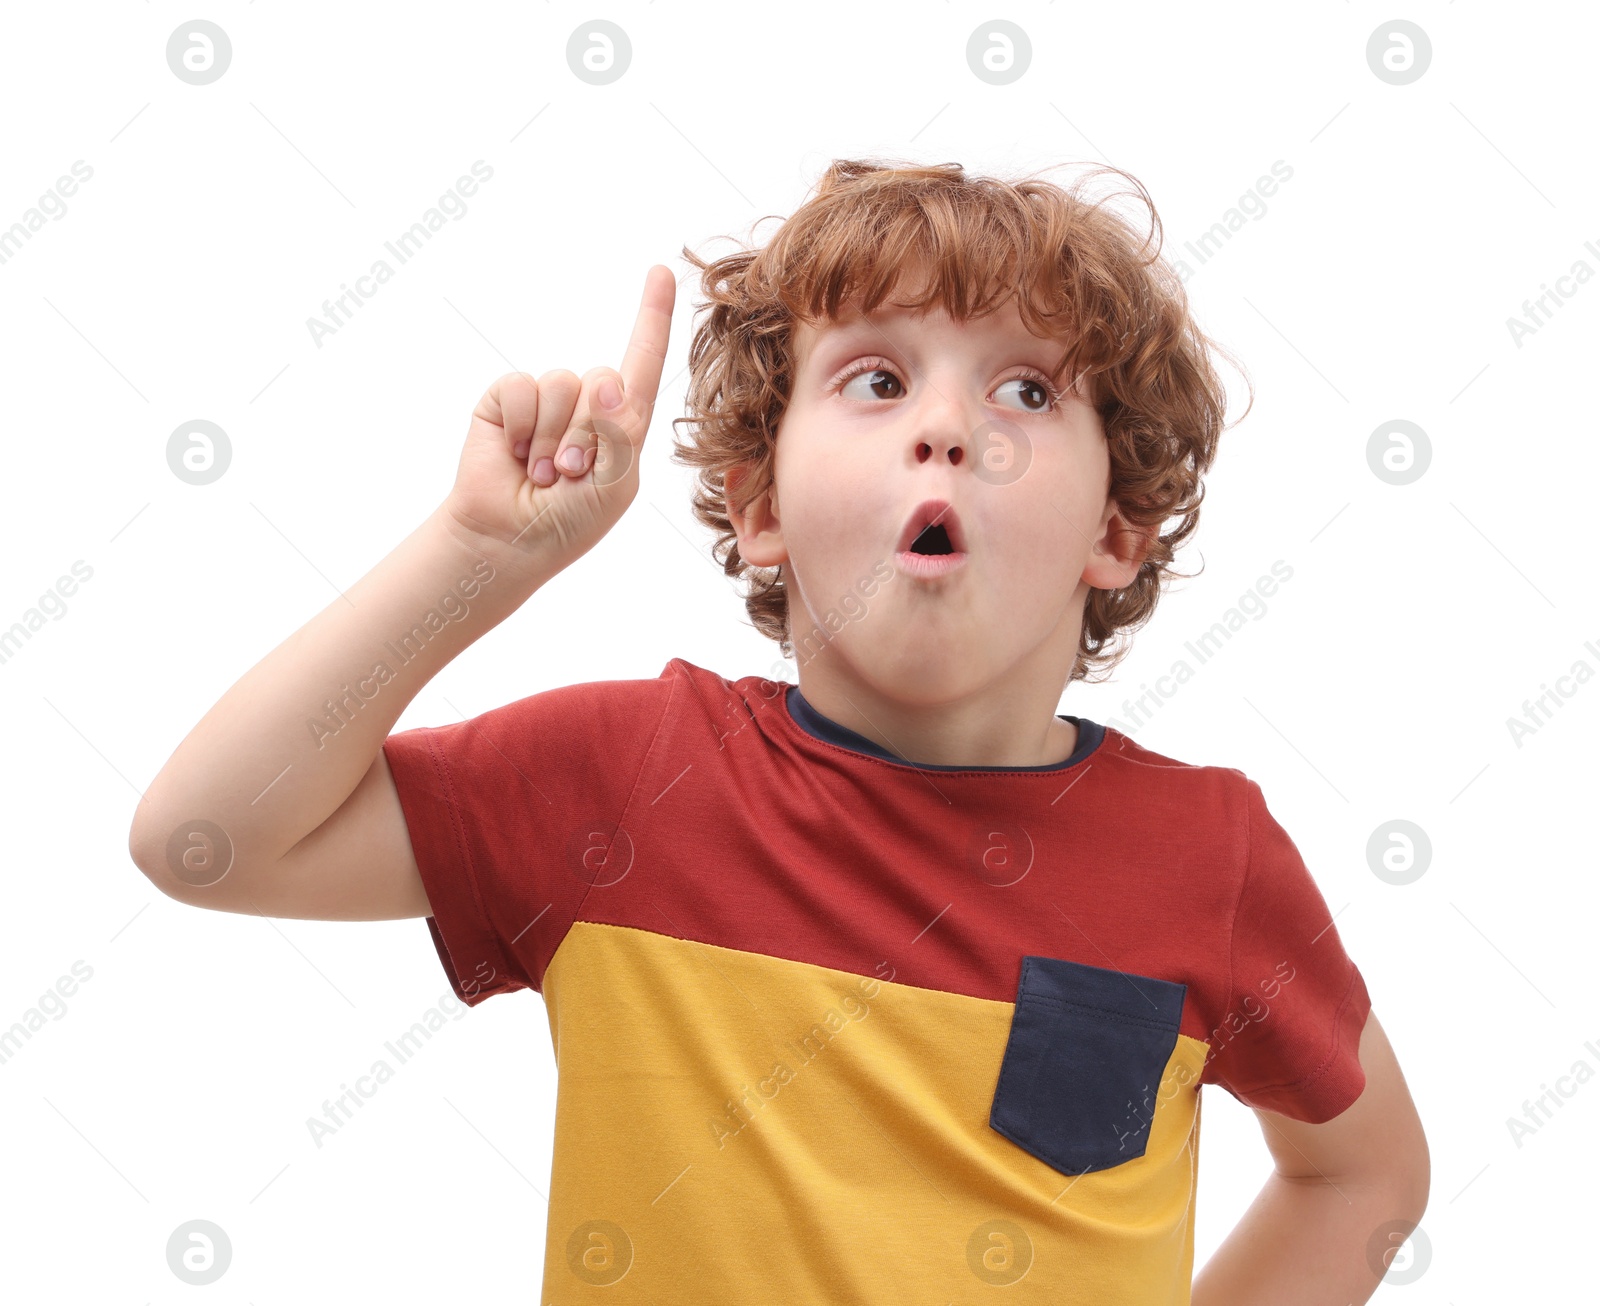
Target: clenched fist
549 465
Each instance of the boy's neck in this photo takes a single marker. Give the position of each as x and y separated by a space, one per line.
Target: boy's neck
1004 724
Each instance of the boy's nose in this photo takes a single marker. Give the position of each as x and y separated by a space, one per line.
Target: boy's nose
941 433
950 447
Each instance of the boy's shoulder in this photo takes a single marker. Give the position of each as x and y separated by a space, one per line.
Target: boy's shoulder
688 702
715 689
1125 748
1131 763
1204 802
1162 769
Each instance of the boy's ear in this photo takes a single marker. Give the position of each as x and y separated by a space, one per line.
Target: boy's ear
1116 556
756 525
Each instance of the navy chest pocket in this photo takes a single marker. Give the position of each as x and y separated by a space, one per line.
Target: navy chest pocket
1083 1062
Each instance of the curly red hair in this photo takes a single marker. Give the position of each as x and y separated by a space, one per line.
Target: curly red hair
1077 269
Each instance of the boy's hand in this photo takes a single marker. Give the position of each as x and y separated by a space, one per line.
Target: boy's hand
514 497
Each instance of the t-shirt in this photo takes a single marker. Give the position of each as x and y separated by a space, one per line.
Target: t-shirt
830 1027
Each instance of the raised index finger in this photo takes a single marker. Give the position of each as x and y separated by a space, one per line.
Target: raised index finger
647 349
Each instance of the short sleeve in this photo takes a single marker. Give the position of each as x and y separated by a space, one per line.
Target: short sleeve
511 814
1289 1035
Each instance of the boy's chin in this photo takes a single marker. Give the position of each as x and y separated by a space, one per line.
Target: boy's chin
912 669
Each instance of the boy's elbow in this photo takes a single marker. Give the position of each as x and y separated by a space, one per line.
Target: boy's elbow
1401 1167
1384 1140
138 845
1403 1175
1415 1178
140 854
1406 1159
141 851
150 856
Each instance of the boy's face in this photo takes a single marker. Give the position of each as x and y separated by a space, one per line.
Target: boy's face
890 411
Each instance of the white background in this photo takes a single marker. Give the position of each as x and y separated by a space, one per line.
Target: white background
1377 686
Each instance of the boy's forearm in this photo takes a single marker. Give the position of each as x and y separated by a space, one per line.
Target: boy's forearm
1304 1243
289 742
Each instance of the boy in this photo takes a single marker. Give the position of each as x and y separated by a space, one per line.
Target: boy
888 986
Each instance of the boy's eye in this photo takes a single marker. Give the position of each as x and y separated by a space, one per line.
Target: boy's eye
875 382
871 378
1043 397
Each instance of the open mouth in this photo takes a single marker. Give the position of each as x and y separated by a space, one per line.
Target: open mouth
932 543
932 529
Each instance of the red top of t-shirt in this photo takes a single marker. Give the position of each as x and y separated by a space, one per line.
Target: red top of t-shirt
700 808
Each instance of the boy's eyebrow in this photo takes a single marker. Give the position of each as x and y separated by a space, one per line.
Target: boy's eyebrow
826 332
821 334
833 327
830 334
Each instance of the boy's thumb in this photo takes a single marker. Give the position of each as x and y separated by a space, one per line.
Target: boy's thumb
609 417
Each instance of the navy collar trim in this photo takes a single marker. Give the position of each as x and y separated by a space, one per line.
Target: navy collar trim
1090 736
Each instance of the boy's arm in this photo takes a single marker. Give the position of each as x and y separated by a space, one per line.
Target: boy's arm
310 823
280 801
1342 1196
